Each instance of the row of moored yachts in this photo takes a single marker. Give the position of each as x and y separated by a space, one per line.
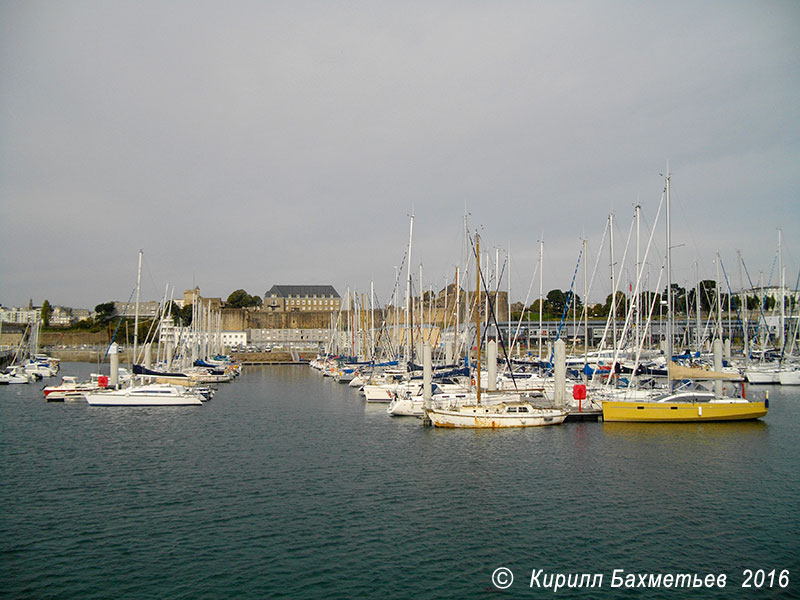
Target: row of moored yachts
693 392
144 387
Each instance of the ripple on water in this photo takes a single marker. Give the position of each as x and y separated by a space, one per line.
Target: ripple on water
287 485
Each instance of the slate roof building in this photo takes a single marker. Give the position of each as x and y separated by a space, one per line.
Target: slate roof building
302 298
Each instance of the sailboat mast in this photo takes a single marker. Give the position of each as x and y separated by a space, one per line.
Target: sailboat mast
508 302
458 309
743 306
421 306
719 302
669 289
541 293
409 308
372 320
781 339
585 307
136 314
698 325
638 274
478 312
613 284
396 313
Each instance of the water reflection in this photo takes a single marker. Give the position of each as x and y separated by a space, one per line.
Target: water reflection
693 431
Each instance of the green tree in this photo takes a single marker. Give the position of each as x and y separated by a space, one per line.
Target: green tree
173 310
678 297
556 300
185 315
46 313
576 302
598 310
534 308
103 312
241 299
708 296
619 304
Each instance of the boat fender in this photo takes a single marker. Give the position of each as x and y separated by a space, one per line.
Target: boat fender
766 399
700 411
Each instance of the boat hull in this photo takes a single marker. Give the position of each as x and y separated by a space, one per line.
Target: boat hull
681 412
66 396
485 418
761 377
149 395
789 377
109 400
406 407
378 393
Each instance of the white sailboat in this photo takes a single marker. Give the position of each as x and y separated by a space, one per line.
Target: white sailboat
789 376
15 374
135 394
507 410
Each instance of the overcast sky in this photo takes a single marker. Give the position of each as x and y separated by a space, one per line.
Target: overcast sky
247 144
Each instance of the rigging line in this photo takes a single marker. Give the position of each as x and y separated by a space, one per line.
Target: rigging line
655 298
113 337
739 320
791 315
637 293
772 270
382 328
567 303
596 262
612 317
525 304
760 307
148 271
494 319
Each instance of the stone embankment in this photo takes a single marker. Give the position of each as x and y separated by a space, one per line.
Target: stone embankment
92 355
91 347
95 355
273 358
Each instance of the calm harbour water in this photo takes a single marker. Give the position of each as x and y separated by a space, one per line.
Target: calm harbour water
287 485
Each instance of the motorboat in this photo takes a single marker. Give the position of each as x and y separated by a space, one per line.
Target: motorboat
69 389
152 394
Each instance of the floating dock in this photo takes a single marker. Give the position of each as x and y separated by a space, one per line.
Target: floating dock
592 415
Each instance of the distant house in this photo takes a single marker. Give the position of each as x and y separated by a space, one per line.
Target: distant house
81 314
302 298
61 317
147 310
19 315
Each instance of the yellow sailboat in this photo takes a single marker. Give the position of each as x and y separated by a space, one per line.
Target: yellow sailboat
687 405
690 402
